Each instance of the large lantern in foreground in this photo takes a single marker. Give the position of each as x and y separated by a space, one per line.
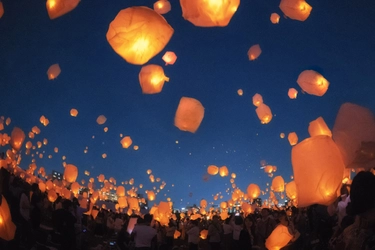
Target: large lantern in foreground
57 8
253 191
313 83
152 78
295 9
278 184
209 13
137 34
189 114
7 227
279 238
319 127
318 169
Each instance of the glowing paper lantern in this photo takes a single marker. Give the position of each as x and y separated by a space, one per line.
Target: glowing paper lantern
203 203
169 58
151 195
177 234
257 100
292 138
223 205
189 114
275 18
1 9
42 187
203 234
318 169
101 119
7 227
162 6
57 8
279 238
223 171
264 113
295 9
292 93
291 190
120 191
73 112
209 13
278 184
319 127
254 52
70 173
138 33
282 135
353 126
240 92
152 78
212 170
16 138
43 120
53 72
122 202
313 83
52 196
75 187
126 142
253 191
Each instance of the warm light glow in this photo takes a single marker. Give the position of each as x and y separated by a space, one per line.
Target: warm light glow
51 3
140 45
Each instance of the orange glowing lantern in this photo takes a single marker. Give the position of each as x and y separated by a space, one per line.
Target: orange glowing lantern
223 171
43 120
212 170
52 196
292 138
282 135
176 234
162 6
313 83
75 187
254 52
275 18
253 191
126 142
203 234
70 173
169 58
16 138
122 202
295 9
7 227
120 191
209 13
73 112
292 93
318 169
291 190
257 100
151 195
1 9
138 33
101 119
319 127
264 113
53 72
278 184
57 8
152 78
279 238
240 92
203 203
189 114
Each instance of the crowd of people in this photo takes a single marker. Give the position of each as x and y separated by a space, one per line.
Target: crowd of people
349 223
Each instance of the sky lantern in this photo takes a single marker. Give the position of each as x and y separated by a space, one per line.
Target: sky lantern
278 184
1 9
313 83
257 100
275 18
203 234
264 113
42 186
162 7
282 135
120 191
52 196
7 227
151 195
43 120
137 34
152 78
16 138
223 205
240 92
73 112
126 142
292 93
169 58
101 119
254 52
253 191
354 126
57 8
53 71
291 190
189 114
223 171
176 234
70 173
212 170
319 127
209 13
279 238
122 202
75 187
203 203
295 9
292 138
318 170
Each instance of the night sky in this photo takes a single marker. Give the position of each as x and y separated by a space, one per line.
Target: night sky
337 40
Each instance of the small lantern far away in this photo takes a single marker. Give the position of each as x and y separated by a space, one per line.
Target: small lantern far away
318 169
169 58
53 71
137 34
209 13
212 170
279 238
126 142
1 9
264 113
257 100
73 112
292 93
295 9
43 120
189 114
240 92
57 8
7 227
312 82
254 52
101 119
275 18
70 173
17 138
319 127
292 138
162 7
253 191
278 184
152 78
